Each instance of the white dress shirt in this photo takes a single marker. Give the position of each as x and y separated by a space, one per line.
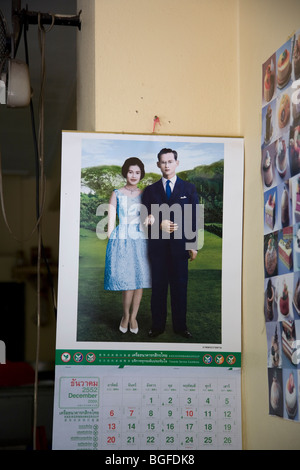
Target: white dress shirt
172 182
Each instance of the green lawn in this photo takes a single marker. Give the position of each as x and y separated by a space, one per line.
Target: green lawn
99 311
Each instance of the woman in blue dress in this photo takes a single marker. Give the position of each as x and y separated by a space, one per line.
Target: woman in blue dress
126 263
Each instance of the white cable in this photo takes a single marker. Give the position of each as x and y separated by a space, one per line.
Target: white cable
42 196
41 35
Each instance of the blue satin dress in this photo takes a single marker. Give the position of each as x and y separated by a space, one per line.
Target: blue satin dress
126 262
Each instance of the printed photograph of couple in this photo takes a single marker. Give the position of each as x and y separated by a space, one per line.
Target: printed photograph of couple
110 307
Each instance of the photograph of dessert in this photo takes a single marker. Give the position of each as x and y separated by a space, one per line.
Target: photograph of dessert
296 356
296 296
294 150
296 56
268 167
284 65
268 122
295 188
296 248
290 394
283 110
270 303
282 157
285 250
270 255
271 210
285 209
288 341
274 344
275 392
269 79
284 297
295 102
275 163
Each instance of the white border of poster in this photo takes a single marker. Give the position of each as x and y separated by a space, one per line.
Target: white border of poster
70 230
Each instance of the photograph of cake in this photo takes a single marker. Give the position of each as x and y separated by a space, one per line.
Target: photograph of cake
283 110
274 344
270 303
290 394
282 157
294 150
285 250
284 65
284 291
285 209
269 79
295 188
268 122
268 171
271 210
296 247
270 255
296 56
295 102
288 341
275 392
275 164
296 296
296 356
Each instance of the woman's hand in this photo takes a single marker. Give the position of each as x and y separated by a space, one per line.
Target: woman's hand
149 220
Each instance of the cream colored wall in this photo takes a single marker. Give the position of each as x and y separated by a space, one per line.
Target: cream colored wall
197 65
169 58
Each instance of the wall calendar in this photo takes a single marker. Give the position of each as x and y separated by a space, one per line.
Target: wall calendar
148 357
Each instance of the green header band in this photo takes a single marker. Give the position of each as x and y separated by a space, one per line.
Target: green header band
148 358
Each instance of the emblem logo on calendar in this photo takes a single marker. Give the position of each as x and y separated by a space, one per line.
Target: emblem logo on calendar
207 359
78 357
219 359
90 357
65 357
231 359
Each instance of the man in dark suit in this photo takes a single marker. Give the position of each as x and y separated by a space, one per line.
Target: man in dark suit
172 206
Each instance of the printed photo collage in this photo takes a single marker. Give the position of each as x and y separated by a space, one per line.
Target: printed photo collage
280 170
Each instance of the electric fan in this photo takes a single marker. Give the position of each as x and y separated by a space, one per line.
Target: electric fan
15 89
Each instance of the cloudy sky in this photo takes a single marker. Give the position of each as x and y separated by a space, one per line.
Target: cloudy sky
113 150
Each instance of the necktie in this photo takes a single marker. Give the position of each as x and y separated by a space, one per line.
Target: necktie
168 189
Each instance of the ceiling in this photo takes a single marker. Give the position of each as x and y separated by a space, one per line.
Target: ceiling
16 124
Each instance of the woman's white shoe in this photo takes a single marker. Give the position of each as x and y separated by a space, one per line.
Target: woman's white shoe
123 330
134 330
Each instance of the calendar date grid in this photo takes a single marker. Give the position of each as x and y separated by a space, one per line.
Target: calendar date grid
167 413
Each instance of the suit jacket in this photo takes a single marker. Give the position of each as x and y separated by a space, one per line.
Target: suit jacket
182 208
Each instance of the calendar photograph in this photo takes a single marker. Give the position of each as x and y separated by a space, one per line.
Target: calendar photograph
140 267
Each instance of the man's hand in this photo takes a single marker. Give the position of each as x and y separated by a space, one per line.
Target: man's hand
193 254
168 226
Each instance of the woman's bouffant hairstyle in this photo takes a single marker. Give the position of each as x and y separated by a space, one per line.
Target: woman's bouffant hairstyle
131 162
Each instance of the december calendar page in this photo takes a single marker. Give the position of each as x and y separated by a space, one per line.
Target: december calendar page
147 408
105 301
